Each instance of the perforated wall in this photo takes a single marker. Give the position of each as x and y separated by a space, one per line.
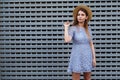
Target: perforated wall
32 42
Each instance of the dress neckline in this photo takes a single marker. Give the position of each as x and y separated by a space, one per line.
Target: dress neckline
79 26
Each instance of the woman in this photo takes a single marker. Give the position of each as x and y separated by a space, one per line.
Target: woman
82 59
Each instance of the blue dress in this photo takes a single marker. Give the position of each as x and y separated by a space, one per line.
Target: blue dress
81 53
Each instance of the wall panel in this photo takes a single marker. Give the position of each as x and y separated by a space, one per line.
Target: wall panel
32 41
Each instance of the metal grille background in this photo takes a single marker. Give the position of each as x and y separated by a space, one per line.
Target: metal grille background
32 45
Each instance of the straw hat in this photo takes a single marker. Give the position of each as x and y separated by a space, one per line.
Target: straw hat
75 11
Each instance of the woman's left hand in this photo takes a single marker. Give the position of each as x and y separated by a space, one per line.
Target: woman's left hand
94 62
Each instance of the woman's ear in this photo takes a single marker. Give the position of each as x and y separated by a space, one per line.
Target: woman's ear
86 17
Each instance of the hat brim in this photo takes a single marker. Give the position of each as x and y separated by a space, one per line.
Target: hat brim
75 11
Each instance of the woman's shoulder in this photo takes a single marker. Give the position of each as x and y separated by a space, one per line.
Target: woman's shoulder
73 27
89 28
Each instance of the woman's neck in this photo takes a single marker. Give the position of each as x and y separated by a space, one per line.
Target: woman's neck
81 24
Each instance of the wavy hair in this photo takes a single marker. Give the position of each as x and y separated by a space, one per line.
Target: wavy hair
75 22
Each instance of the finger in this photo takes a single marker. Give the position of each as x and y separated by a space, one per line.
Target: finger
67 21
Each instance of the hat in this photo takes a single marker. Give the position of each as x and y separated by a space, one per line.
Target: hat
75 11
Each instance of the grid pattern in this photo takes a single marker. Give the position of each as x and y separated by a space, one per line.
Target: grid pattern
32 45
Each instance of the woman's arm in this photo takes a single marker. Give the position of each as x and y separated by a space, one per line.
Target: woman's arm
67 37
93 54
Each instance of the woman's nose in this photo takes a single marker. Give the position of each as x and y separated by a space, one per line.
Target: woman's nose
80 16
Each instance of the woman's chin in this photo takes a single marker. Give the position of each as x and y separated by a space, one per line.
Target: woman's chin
81 21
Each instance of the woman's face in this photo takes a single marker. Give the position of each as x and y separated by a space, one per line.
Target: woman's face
81 17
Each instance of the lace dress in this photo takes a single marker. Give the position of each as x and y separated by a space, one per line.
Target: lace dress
81 53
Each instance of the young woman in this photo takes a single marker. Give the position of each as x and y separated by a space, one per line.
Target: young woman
82 58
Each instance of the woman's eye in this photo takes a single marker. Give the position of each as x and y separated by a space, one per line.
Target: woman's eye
82 14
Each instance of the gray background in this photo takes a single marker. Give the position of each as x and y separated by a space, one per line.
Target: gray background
32 39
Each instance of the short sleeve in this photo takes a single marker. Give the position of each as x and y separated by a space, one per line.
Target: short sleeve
71 31
90 31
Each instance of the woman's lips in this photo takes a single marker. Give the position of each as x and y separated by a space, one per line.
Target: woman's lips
79 19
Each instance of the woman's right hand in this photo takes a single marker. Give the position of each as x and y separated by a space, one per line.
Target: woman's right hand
66 24
67 37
